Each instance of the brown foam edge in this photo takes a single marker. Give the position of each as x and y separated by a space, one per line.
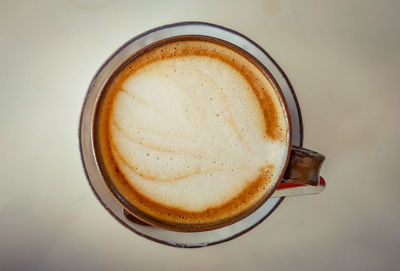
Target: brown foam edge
257 184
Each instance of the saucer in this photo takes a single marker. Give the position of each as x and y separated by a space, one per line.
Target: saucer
185 239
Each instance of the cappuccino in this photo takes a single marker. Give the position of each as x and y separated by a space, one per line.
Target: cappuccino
191 134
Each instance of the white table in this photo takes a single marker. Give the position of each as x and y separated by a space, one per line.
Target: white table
343 61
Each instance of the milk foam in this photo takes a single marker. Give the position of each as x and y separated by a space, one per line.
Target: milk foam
189 133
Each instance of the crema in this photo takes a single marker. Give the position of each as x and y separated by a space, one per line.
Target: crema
191 132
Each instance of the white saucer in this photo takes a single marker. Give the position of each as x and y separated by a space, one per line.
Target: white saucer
180 239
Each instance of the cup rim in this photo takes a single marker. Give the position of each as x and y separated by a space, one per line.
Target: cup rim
125 203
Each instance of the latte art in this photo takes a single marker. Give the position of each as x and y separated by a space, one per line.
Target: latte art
192 132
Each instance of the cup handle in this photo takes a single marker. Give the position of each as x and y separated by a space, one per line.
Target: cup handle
304 166
302 174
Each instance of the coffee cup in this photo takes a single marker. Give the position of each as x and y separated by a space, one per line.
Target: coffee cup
189 130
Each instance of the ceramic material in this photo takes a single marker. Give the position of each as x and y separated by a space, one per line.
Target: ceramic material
86 135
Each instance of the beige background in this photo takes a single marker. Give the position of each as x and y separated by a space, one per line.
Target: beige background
343 60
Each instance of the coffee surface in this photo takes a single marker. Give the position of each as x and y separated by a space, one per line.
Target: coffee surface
191 132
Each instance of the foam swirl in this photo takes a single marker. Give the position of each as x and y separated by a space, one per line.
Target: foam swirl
189 133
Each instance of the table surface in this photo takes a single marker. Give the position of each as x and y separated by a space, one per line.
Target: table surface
343 61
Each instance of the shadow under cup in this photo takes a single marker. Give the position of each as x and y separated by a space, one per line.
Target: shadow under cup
301 165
